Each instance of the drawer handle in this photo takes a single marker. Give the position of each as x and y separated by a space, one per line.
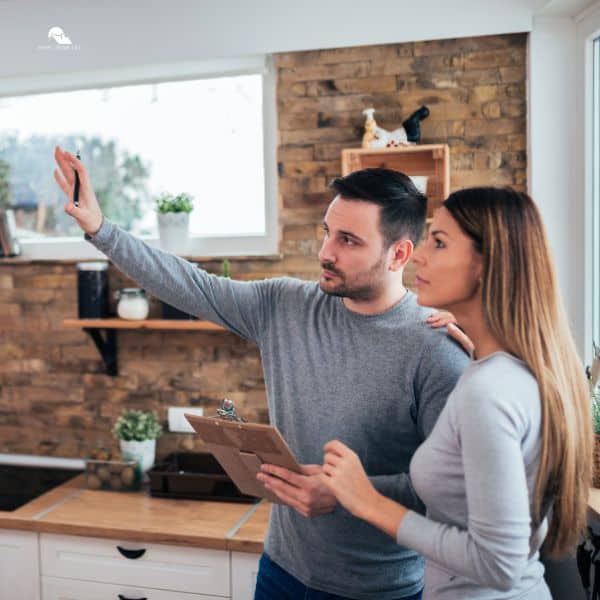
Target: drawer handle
131 553
121 597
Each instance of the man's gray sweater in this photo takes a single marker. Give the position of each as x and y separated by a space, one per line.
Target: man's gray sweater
375 382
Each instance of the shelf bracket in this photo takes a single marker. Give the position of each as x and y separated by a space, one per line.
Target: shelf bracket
107 346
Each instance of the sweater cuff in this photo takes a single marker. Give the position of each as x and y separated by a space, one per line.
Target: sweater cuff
103 239
413 531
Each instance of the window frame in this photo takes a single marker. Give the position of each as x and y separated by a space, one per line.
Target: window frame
76 248
594 182
588 184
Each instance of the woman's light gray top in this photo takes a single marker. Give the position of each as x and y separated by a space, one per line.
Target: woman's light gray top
476 475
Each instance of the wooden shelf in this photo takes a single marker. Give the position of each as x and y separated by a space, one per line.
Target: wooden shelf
431 160
104 333
164 324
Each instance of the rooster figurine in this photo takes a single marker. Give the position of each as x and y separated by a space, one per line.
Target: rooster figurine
377 137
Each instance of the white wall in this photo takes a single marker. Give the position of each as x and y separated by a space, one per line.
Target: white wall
559 166
552 127
119 33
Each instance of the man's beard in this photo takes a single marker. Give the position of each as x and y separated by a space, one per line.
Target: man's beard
362 287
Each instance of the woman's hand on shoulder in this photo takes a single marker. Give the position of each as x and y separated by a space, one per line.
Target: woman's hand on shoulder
444 318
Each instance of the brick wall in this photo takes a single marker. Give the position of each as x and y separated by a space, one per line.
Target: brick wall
54 398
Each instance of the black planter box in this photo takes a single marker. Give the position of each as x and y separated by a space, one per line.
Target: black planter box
194 476
170 312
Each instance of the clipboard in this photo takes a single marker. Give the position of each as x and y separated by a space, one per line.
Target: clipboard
241 448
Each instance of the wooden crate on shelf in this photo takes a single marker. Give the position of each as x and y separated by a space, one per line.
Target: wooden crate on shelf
430 160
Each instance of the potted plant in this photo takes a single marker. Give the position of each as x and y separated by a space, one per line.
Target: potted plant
593 374
174 221
137 432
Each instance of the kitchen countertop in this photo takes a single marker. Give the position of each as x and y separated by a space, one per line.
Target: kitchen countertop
71 509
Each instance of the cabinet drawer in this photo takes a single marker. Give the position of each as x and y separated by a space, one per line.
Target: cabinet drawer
19 566
244 568
54 588
159 566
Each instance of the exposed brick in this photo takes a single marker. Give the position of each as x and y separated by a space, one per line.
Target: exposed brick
366 84
493 58
285 153
392 66
493 127
462 179
492 110
512 74
6 282
310 168
324 134
316 72
304 120
483 93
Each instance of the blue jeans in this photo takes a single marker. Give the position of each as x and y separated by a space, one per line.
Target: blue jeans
274 583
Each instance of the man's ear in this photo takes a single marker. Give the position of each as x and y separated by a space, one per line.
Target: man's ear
400 253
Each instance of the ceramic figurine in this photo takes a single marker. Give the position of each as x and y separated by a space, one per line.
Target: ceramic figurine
412 124
377 137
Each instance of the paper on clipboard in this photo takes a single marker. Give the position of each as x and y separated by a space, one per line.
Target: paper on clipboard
241 448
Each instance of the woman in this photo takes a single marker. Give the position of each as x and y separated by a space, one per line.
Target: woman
514 439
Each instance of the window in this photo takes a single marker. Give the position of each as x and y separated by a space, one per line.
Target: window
209 135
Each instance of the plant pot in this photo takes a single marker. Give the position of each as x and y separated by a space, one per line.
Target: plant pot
142 452
173 230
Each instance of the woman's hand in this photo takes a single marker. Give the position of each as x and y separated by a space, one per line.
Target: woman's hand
345 477
443 318
88 214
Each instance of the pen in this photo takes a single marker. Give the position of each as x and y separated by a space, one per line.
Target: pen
76 189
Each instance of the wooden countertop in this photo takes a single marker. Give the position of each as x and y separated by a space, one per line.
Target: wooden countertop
250 535
71 509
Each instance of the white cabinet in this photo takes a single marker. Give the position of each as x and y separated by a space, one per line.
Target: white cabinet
19 565
244 567
65 567
56 588
155 567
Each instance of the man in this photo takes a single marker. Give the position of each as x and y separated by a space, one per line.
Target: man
349 358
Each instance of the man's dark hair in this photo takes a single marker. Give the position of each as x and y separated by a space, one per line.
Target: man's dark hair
403 207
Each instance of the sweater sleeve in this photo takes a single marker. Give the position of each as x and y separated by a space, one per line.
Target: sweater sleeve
494 548
441 365
239 306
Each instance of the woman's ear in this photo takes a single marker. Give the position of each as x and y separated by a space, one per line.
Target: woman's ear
401 252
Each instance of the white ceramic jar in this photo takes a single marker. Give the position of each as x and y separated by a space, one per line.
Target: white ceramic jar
133 304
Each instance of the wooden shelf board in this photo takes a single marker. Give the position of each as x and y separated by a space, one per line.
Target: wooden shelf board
165 324
396 149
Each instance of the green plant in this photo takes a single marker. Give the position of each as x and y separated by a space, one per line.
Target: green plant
167 203
596 411
137 426
226 268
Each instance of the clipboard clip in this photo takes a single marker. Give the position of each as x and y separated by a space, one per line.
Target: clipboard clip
227 412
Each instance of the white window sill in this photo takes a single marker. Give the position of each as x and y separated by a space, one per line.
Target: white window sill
74 249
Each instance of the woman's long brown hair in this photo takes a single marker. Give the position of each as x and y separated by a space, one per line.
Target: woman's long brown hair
524 312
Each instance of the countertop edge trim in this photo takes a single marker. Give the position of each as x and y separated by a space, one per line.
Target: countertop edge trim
241 522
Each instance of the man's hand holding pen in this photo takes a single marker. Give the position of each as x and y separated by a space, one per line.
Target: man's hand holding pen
87 211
